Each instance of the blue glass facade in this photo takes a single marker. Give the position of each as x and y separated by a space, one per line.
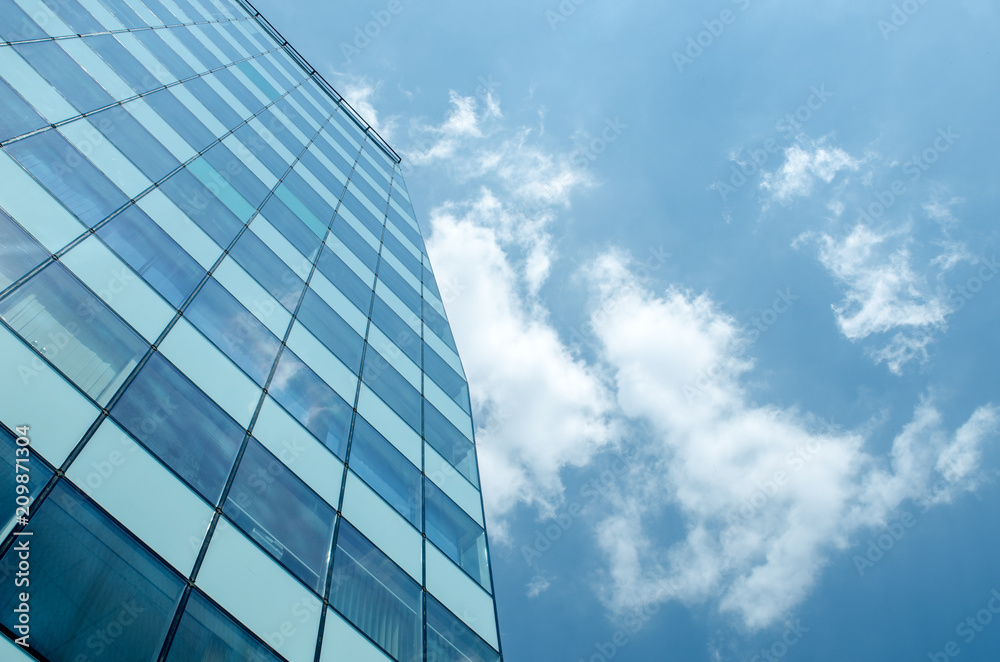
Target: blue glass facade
232 407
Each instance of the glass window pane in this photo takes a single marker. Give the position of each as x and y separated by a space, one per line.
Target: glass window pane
291 226
216 104
396 329
400 287
134 141
130 596
124 13
451 640
268 269
174 63
447 440
455 533
15 24
258 80
161 12
181 119
309 197
409 260
264 152
239 176
153 254
204 208
331 330
38 472
386 470
65 75
280 131
312 401
362 213
17 117
70 177
123 62
450 381
234 330
361 248
19 252
376 595
439 326
74 16
393 388
206 633
75 330
238 89
263 495
341 275
161 407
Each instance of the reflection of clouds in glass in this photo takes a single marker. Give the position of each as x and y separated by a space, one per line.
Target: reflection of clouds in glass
310 400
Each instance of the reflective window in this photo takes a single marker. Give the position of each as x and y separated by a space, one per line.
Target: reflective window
174 63
280 131
161 12
258 80
264 495
38 473
309 197
15 24
65 74
192 13
234 330
392 388
268 269
362 213
180 119
405 227
152 254
75 16
409 260
455 533
377 199
311 400
331 330
450 381
396 329
161 407
447 440
79 556
431 283
285 107
400 287
70 177
328 150
451 640
206 633
204 208
16 116
124 13
264 152
341 275
19 252
376 595
238 89
439 326
234 171
291 226
67 324
361 248
216 104
134 141
123 62
386 470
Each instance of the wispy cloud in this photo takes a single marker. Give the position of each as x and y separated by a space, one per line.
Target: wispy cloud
805 163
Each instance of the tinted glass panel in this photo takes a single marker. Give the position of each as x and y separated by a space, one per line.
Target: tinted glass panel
269 270
234 330
19 252
309 399
289 225
124 13
309 197
81 558
349 236
74 16
211 100
194 198
400 287
134 141
16 116
264 152
123 62
181 119
65 74
451 640
238 90
174 63
409 260
393 388
275 508
16 460
449 380
280 132
66 323
405 227
376 595
439 326
455 533
71 178
396 329
239 176
345 279
447 440
207 634
162 407
373 224
15 24
197 48
386 469
331 330
153 254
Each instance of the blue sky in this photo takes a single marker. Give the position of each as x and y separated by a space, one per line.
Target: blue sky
722 276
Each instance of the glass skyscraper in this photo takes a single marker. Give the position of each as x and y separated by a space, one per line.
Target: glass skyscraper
234 422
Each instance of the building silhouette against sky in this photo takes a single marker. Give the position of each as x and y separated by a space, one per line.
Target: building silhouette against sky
234 418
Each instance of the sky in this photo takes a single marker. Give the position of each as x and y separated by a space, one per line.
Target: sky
723 276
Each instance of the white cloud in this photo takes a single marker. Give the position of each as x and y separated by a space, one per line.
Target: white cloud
804 164
767 494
